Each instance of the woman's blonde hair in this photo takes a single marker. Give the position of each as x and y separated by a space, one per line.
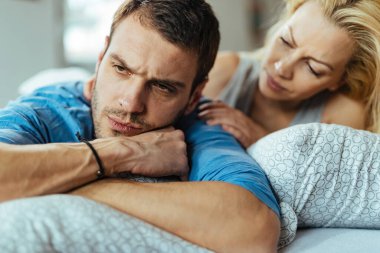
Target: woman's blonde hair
361 19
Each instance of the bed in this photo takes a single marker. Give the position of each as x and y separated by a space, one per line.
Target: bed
75 224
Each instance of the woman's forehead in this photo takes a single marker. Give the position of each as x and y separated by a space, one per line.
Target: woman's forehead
318 35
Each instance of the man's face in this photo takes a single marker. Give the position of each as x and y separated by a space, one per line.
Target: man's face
143 82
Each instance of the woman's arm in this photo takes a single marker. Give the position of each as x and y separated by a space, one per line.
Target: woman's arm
221 73
343 110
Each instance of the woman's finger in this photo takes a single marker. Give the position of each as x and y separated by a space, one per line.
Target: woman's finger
212 104
213 112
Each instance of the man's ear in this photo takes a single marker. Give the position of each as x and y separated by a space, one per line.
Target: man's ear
195 97
88 88
102 53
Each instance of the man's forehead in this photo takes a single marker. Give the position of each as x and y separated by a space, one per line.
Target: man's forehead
145 50
130 67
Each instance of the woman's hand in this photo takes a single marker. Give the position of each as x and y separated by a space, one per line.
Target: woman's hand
243 128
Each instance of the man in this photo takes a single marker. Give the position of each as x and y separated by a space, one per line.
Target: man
151 72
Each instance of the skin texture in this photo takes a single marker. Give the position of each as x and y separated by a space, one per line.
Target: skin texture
298 64
133 111
143 85
316 56
149 107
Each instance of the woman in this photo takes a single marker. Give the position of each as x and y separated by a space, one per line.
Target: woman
320 64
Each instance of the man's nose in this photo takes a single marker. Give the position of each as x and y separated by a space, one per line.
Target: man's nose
133 98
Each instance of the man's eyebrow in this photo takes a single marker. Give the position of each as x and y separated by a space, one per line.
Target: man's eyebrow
178 84
169 82
119 59
314 59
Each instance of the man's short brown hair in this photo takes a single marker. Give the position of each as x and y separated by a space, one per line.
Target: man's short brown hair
189 24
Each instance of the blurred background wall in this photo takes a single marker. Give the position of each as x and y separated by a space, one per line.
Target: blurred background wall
43 34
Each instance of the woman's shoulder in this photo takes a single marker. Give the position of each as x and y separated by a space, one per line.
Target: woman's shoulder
344 110
221 73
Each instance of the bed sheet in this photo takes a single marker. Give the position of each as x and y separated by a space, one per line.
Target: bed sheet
334 240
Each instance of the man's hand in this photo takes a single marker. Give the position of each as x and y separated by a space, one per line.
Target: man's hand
155 154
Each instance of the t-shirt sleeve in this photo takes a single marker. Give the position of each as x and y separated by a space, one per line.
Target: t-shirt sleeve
217 156
19 124
51 114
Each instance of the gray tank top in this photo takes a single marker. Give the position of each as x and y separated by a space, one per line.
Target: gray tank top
240 90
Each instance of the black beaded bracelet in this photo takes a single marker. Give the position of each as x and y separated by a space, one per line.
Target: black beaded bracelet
101 172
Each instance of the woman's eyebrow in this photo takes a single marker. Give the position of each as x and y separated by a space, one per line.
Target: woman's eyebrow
290 29
291 35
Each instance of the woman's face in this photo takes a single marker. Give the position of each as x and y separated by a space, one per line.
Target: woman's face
306 56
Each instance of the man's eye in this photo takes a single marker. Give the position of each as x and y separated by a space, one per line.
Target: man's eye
119 68
164 88
122 70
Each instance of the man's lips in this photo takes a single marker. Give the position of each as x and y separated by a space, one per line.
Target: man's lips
275 86
123 127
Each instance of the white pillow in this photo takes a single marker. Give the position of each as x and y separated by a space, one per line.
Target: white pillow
50 76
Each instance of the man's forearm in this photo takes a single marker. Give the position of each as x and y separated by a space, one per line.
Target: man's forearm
215 215
29 170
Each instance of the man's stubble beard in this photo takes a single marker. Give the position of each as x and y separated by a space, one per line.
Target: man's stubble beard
96 116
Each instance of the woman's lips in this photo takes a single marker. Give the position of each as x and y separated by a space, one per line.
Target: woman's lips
273 85
123 127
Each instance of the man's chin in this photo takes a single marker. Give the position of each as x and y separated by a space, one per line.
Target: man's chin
114 133
127 133
110 132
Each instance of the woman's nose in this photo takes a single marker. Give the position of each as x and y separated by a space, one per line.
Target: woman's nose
284 69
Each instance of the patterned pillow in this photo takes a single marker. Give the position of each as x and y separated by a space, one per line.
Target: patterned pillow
323 176
66 223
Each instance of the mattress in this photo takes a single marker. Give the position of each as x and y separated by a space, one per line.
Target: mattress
334 240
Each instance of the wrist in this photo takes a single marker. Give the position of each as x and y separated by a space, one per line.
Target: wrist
114 152
101 170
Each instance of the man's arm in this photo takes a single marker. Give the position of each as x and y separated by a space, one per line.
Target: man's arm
235 214
30 170
216 215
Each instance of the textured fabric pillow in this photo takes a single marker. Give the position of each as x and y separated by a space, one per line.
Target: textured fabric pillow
323 176
71 224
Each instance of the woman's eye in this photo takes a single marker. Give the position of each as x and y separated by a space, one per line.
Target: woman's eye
284 41
313 71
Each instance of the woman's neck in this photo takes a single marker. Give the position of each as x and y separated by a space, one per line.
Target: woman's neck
272 114
282 106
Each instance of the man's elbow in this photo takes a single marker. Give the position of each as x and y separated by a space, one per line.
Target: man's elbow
261 234
266 234
253 228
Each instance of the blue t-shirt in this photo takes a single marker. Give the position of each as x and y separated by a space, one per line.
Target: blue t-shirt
57 113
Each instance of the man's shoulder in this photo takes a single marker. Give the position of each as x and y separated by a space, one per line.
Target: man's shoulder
53 113
56 97
60 91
